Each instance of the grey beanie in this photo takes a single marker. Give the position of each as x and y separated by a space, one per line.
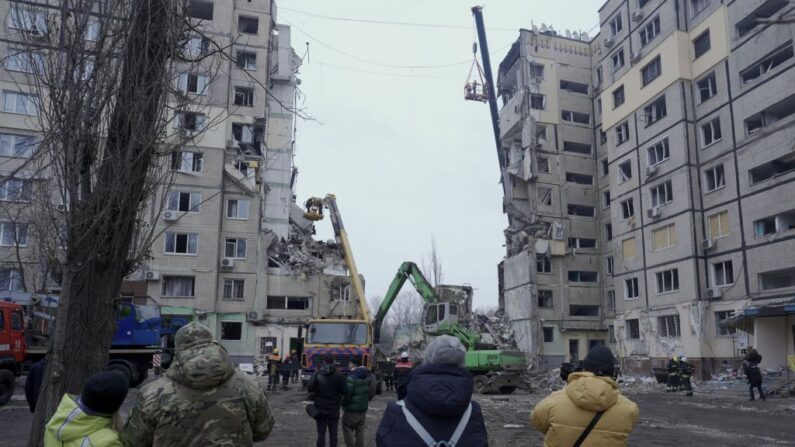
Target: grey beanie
445 350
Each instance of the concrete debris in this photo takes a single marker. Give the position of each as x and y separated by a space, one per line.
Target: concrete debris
495 330
300 253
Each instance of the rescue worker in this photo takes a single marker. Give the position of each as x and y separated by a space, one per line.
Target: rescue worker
355 403
200 400
402 369
387 373
286 370
88 419
754 376
590 400
673 374
296 364
685 372
273 369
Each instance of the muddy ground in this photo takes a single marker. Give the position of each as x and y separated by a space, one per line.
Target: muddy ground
718 415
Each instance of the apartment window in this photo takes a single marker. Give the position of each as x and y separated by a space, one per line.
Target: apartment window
235 248
537 101
650 31
599 75
574 87
618 96
662 194
606 199
609 261
611 333
575 117
22 103
178 286
232 330
91 33
24 61
767 64
715 178
544 299
266 345
183 161
582 276
543 264
701 44
541 134
599 105
707 87
605 167
244 96
696 6
710 132
627 209
583 310
544 196
581 210
13 234
772 169
536 70
247 25
618 60
578 148
237 209
667 281
15 189
720 318
668 326
200 9
192 83
765 227
616 25
771 115
582 242
234 289
181 243
33 21
631 288
11 281
659 152
581 179
611 300
765 11
19 146
543 164
655 111
651 71
190 121
633 329
288 302
602 137
625 171
549 335
196 46
184 201
246 60
723 273
664 237
609 232
718 224
629 248
622 132
777 279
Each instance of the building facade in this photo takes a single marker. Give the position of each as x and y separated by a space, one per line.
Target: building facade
665 178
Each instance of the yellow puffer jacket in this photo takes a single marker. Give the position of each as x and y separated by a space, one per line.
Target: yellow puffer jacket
563 415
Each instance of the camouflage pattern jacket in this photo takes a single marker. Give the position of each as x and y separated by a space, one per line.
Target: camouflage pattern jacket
202 401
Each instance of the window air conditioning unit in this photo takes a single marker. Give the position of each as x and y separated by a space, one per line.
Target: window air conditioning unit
708 244
228 262
609 42
637 16
714 293
651 170
170 215
653 212
254 316
152 276
636 57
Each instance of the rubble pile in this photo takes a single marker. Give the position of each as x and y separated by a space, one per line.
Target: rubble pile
302 253
494 330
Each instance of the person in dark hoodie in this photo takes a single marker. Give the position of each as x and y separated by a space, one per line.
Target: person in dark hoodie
202 400
328 387
33 383
355 403
438 406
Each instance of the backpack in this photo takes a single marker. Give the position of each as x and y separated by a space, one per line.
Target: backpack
426 437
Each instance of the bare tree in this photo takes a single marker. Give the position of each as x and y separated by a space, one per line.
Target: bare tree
406 313
432 265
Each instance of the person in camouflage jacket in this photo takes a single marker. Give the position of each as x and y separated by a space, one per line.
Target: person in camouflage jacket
201 401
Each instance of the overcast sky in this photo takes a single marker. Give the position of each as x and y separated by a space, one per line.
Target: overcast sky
407 157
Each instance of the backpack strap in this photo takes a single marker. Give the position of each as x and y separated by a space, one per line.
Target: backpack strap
589 428
426 437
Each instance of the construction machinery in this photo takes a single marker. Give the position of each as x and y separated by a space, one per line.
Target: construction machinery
342 338
448 311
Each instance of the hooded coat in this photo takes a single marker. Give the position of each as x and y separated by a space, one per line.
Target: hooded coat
202 400
71 426
563 415
357 394
329 387
437 395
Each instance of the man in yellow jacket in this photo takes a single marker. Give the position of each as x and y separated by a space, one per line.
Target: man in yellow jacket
591 399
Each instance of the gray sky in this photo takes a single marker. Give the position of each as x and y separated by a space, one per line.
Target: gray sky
407 157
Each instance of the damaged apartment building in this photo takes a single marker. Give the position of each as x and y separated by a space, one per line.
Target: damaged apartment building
648 173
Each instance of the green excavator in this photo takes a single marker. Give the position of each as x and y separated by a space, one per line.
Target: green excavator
447 311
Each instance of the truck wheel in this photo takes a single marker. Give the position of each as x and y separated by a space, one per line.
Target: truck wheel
122 369
481 384
6 386
507 389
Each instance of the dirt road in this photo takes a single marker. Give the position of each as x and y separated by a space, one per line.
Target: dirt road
713 417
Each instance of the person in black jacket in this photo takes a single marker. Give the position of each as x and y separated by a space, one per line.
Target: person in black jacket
438 406
33 383
328 387
754 376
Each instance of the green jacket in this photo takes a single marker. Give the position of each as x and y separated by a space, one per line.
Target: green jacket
70 426
357 392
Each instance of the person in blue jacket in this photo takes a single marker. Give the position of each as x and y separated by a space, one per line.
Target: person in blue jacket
438 406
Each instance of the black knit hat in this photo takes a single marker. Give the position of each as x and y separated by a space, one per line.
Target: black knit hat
600 361
104 393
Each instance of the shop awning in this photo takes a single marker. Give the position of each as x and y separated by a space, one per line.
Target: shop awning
743 319
176 310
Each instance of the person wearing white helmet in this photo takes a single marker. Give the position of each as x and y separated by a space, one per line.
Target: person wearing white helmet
403 367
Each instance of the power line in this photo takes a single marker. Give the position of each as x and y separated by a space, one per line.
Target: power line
382 73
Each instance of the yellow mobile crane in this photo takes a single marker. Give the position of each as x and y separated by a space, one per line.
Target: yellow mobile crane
342 338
